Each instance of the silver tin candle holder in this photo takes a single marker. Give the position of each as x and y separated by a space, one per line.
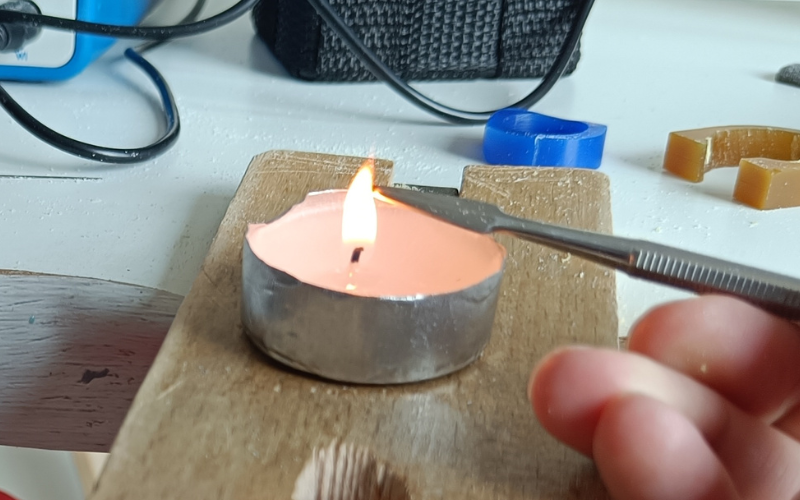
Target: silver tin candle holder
387 339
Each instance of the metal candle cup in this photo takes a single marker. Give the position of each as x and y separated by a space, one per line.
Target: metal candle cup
417 304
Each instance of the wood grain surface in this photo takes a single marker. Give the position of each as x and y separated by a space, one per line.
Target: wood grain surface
215 419
73 353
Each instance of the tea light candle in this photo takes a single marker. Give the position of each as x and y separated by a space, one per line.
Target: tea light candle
354 287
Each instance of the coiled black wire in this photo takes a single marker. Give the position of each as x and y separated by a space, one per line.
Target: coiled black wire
452 115
171 115
101 153
140 32
162 33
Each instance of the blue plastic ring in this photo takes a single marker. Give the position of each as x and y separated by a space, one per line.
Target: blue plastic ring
522 137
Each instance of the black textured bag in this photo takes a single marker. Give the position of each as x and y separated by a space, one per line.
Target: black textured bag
421 39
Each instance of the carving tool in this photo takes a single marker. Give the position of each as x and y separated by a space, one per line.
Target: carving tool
773 292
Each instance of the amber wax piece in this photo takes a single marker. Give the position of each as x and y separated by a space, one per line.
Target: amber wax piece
692 153
766 184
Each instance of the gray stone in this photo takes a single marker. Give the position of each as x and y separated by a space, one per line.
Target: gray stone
789 74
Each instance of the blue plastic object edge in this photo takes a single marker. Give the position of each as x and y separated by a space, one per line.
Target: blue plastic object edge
521 137
87 47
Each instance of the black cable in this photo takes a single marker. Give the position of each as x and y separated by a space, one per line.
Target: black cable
190 17
105 154
100 153
143 32
162 33
453 115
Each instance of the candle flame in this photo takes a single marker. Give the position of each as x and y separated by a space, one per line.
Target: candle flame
360 216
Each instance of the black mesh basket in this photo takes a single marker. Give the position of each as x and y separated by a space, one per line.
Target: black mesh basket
421 39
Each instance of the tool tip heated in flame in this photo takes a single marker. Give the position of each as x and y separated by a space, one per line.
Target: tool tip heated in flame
360 217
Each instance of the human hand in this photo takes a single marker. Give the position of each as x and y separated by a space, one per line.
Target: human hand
706 406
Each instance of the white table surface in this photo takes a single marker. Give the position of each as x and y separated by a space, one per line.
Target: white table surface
649 67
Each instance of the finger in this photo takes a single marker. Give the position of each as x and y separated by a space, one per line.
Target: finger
789 423
742 352
571 388
665 459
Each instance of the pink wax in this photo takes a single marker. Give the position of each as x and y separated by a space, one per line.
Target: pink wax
413 254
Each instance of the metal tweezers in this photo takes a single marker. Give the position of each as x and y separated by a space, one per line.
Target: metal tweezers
698 273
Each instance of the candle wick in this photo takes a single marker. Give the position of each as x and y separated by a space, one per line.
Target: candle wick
356 255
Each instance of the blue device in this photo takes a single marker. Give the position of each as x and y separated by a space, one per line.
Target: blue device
59 55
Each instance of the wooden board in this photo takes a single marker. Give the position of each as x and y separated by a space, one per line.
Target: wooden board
73 352
217 420
89 467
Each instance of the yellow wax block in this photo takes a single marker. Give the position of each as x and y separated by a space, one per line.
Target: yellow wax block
767 184
685 157
692 153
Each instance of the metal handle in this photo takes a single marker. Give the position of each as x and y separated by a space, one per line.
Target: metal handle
773 292
698 273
